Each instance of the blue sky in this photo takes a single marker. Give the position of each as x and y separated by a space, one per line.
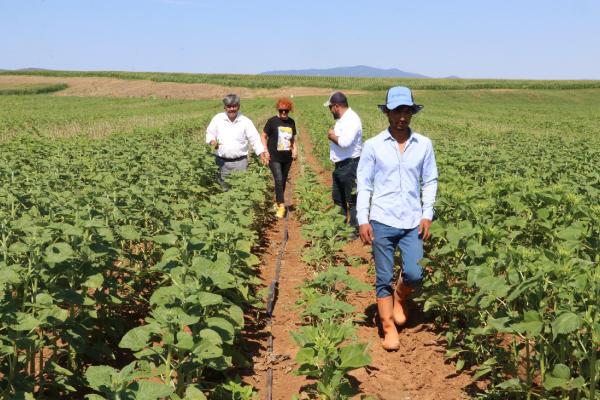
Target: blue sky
472 39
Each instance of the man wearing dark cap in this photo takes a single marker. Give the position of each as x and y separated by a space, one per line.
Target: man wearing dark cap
396 166
344 151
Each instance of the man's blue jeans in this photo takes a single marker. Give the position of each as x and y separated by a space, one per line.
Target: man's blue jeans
386 240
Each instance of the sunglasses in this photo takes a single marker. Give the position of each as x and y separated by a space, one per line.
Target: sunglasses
283 110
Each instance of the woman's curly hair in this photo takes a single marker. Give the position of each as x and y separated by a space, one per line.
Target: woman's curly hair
284 102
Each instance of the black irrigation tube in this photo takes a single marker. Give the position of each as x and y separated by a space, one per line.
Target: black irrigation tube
272 299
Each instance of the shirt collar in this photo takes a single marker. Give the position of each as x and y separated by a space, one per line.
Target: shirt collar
226 118
411 137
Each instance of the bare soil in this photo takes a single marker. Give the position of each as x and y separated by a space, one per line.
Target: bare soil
286 316
113 87
417 371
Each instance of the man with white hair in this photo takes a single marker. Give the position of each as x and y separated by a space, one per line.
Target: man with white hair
229 133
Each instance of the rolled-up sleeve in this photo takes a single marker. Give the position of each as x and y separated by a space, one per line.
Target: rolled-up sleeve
429 176
364 183
254 138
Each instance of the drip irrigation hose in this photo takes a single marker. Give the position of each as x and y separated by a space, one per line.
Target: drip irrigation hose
272 299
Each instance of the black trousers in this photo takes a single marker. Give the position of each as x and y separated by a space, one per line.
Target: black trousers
280 172
344 188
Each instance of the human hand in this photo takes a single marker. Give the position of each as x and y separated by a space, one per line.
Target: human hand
294 153
214 144
424 229
331 135
365 231
265 157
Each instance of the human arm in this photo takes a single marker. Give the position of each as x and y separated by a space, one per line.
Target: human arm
293 148
332 136
365 231
293 143
255 140
263 139
212 134
429 177
364 181
347 131
424 229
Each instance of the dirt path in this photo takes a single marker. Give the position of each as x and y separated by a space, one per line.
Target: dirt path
285 314
416 372
113 87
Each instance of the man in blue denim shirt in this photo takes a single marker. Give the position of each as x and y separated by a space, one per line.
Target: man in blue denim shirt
395 166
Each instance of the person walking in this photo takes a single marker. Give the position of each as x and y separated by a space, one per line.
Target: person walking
278 137
345 144
229 133
395 167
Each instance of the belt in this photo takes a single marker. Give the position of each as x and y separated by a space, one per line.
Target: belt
240 158
345 161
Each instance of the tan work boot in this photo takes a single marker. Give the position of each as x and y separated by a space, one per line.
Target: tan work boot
385 307
401 293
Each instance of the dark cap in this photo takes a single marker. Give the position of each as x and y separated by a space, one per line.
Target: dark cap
336 98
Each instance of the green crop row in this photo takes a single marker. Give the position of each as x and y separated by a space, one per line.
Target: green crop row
513 269
125 270
279 81
31 88
328 345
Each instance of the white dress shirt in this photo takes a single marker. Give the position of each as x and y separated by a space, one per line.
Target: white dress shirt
348 129
393 179
233 136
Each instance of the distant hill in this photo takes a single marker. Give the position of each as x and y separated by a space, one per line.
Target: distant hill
358 71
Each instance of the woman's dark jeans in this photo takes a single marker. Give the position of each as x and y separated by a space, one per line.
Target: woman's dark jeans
280 172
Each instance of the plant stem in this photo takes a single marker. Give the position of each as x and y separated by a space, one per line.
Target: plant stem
168 366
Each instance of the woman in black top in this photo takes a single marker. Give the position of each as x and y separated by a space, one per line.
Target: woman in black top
278 138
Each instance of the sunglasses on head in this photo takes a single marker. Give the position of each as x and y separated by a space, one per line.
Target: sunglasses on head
283 110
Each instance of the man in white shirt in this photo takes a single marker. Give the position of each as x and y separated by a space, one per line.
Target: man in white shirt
344 151
229 133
